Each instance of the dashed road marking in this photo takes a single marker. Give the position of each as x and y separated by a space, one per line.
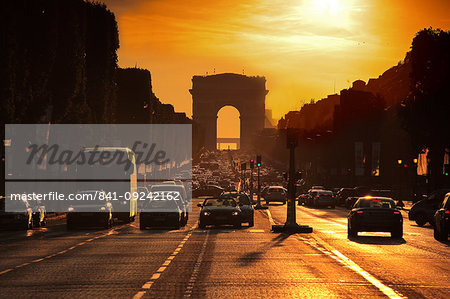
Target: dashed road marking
147 285
194 276
270 217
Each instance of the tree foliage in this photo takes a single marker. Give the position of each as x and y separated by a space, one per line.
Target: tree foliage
57 62
426 110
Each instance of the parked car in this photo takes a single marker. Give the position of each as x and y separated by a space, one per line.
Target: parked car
277 194
219 211
324 198
423 211
16 219
161 213
442 220
375 214
243 200
92 214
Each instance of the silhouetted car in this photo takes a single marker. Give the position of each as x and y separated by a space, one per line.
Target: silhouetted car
301 199
309 200
442 220
21 220
219 211
323 198
179 193
208 190
161 213
247 211
424 210
342 195
276 193
90 214
375 214
358 192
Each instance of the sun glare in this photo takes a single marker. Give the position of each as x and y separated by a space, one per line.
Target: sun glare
329 7
329 13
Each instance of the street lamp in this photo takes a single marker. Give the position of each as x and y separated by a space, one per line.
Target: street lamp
399 161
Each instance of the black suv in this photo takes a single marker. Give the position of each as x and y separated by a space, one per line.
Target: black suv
423 211
442 220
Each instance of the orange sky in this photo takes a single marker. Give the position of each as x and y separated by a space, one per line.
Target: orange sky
302 47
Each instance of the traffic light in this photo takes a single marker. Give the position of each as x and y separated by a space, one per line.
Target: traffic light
244 166
258 160
252 164
446 169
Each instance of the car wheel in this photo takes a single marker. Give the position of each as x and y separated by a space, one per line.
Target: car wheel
441 235
333 207
420 219
237 225
351 232
201 225
178 224
397 233
251 223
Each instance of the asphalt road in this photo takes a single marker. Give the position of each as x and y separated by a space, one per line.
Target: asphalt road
224 262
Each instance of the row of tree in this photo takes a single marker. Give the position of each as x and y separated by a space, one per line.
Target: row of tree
58 61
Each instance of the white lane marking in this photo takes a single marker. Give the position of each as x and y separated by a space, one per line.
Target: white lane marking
335 254
5 271
270 217
194 276
55 254
147 285
139 295
329 250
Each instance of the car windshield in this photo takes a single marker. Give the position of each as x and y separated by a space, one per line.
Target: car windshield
376 203
276 190
220 202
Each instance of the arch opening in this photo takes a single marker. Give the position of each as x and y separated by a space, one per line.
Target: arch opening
228 128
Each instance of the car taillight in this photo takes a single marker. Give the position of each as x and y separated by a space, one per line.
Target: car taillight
360 212
282 193
447 212
268 193
396 212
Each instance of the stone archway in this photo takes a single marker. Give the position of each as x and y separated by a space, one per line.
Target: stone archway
246 94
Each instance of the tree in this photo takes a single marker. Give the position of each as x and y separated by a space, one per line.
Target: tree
426 110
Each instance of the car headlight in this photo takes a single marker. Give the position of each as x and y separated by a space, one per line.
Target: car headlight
235 213
70 209
206 213
102 209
